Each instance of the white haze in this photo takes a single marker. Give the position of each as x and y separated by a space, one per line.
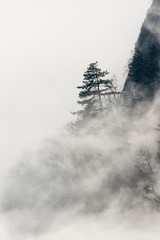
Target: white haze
85 185
45 48
76 186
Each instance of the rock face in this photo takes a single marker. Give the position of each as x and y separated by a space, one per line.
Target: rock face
143 80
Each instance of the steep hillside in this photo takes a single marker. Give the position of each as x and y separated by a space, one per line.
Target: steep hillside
143 79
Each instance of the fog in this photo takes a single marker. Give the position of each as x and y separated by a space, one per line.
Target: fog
86 184
45 48
83 182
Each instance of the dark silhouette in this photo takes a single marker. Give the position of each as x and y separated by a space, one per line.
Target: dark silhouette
143 81
94 91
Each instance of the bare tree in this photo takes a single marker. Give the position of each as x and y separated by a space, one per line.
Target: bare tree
147 166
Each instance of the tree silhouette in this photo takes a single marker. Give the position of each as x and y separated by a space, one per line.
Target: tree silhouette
94 90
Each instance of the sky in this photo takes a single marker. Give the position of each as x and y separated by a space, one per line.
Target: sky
45 46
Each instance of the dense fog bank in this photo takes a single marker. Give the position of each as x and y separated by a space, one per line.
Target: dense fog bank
98 170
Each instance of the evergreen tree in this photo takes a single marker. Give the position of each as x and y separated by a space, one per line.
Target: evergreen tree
93 91
136 66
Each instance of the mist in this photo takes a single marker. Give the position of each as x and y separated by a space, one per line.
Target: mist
85 183
97 178
45 47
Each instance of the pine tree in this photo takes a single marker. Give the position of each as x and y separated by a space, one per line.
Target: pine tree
136 66
93 91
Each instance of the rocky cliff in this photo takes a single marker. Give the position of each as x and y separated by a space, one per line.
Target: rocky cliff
143 80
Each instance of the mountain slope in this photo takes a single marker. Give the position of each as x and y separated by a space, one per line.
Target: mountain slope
143 80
